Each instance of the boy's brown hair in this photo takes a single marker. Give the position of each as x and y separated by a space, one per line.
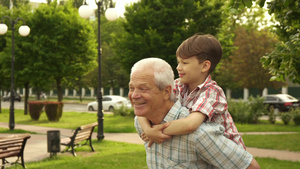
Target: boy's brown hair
204 47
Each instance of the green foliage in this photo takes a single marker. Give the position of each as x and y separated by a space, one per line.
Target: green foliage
296 115
35 109
238 111
53 110
124 111
284 62
157 28
61 47
286 118
272 115
246 112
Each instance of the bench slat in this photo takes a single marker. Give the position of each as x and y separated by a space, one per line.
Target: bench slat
82 133
13 145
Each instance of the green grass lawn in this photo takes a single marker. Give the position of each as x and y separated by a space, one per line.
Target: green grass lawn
116 155
122 155
288 142
71 120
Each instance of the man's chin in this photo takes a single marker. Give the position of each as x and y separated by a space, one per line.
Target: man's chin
139 112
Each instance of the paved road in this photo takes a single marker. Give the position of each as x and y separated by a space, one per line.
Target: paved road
67 107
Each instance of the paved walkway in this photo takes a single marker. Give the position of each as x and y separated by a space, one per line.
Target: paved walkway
36 147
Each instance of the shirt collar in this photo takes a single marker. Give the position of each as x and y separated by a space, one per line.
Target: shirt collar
173 113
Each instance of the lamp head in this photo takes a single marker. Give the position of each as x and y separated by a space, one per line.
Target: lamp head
3 29
85 11
111 14
24 30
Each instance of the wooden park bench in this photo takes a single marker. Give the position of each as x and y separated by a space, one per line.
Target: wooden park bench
83 133
13 146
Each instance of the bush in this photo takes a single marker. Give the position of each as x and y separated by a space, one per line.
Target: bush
54 110
35 109
272 116
256 109
296 115
124 111
247 112
286 118
238 111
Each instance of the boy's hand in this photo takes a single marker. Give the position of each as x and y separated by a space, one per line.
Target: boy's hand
155 134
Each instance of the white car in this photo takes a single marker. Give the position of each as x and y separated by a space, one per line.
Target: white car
109 102
282 102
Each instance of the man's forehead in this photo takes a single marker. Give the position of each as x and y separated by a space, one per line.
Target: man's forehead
141 78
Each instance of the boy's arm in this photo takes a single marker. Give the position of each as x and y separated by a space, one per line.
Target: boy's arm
185 125
153 134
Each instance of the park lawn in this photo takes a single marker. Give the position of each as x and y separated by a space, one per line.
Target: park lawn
108 154
6 130
288 142
116 155
270 163
119 124
71 120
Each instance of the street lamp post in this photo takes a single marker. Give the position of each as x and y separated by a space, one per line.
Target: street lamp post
24 30
85 12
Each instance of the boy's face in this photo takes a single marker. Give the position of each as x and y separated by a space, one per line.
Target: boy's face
190 71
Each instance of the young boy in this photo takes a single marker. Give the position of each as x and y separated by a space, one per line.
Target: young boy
197 57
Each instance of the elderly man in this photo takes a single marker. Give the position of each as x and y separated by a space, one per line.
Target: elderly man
150 93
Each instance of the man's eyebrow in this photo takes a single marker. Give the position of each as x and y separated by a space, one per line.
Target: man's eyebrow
140 84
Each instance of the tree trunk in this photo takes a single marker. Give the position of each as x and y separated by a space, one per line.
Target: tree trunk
26 98
59 89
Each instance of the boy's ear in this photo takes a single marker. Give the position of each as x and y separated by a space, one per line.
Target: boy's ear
206 66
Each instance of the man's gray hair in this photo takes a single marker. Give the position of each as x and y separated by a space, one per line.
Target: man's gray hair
163 73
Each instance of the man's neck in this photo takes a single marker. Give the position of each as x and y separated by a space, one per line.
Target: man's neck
159 116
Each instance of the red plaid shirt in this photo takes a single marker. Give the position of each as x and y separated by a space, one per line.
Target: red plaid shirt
209 99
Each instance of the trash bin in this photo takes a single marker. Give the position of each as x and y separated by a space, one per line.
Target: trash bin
53 141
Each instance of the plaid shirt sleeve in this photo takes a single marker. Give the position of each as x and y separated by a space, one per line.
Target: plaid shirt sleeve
210 102
219 151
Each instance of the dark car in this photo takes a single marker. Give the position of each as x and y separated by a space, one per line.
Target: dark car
7 97
282 102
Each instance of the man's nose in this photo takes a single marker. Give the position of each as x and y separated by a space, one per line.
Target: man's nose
135 94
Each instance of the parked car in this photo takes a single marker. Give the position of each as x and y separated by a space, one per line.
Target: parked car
282 102
109 102
7 97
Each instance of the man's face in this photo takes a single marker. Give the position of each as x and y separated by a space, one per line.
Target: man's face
144 95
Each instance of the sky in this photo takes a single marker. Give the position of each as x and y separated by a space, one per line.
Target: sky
120 4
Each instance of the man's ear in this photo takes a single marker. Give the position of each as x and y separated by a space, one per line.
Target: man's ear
167 92
206 66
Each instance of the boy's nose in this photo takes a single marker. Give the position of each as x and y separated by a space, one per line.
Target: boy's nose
178 67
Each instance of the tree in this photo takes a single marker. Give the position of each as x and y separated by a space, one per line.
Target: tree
283 62
23 12
245 65
156 28
62 45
